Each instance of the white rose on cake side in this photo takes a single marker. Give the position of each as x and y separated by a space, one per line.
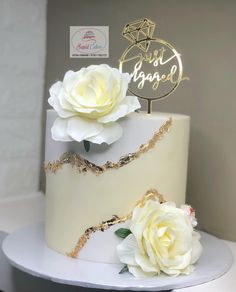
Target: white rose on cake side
89 102
162 239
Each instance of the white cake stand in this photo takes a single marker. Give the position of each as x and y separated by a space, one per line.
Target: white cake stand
26 250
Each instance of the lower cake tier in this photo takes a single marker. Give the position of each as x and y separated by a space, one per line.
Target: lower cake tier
81 195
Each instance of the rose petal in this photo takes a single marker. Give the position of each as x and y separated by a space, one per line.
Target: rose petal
125 80
144 262
71 78
59 130
88 110
82 129
126 250
188 270
117 113
108 75
65 105
139 273
139 220
132 102
61 112
56 91
57 97
176 263
153 250
69 75
129 104
111 132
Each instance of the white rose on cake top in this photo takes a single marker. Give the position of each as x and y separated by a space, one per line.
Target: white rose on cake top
162 239
89 102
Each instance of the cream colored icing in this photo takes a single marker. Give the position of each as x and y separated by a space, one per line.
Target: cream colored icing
76 201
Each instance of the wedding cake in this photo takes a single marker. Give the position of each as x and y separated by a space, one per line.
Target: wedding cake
107 165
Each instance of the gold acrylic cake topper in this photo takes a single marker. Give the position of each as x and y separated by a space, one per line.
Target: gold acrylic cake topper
154 64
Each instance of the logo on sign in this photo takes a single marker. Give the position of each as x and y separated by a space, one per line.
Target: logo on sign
89 42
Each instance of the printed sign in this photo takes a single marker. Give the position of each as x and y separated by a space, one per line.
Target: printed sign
89 41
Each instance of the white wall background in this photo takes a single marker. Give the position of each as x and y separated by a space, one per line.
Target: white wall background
22 61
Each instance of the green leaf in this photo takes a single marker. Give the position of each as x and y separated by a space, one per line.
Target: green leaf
124 269
122 232
86 145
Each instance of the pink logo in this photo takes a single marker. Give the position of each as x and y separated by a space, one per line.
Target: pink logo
90 40
89 36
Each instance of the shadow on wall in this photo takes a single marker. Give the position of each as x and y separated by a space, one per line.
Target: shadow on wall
206 190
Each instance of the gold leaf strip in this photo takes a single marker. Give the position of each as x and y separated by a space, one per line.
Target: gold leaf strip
84 165
151 194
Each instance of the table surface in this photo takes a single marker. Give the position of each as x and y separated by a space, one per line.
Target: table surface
18 212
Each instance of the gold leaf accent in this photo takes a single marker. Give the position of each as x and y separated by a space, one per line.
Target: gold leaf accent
83 165
151 194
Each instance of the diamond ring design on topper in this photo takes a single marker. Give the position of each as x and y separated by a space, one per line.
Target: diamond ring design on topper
154 64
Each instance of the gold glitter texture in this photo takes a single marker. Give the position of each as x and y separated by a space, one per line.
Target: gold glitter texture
84 165
151 194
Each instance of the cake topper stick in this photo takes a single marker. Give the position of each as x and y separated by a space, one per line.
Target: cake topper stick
154 64
149 101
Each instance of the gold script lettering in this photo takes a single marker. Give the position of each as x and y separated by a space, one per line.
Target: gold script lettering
156 58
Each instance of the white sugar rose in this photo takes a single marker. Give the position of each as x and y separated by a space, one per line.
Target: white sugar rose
162 240
89 102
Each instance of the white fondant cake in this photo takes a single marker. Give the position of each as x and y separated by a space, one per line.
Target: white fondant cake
77 197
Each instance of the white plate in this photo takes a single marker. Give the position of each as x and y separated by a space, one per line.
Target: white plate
26 250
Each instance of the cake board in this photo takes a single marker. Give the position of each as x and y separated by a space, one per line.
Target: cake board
27 251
